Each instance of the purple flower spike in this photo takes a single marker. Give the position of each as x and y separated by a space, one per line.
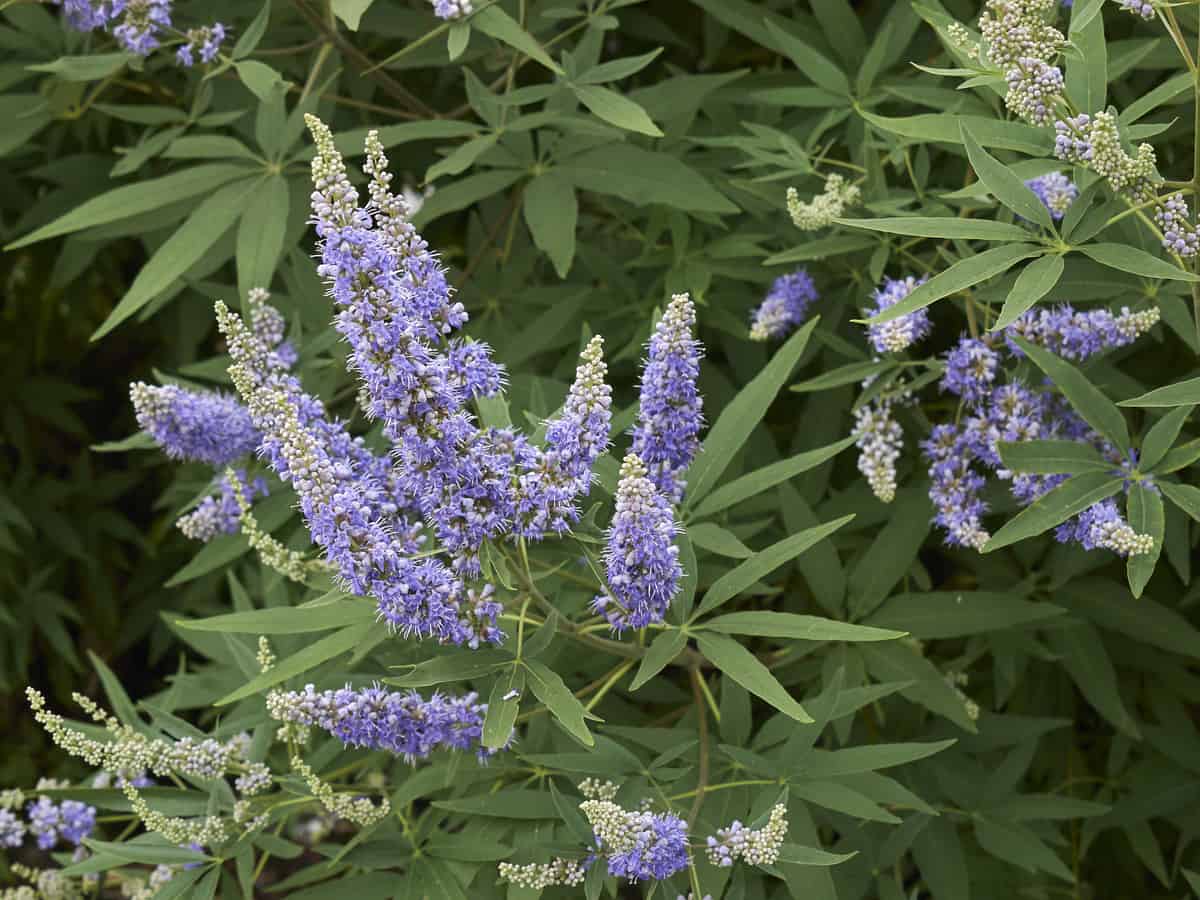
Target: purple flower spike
211 428
785 306
641 561
902 332
666 436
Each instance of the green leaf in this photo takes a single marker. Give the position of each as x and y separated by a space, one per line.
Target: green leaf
892 553
1035 281
139 441
549 688
1082 654
818 68
797 627
943 227
1185 496
938 852
811 856
463 157
248 40
1073 496
743 667
118 699
1052 457
659 654
1087 77
1146 621
763 563
457 39
950 614
820 248
1161 436
261 233
135 199
147 852
510 803
350 11
963 274
503 705
852 373
616 109
1134 261
463 193
458 666
259 78
552 212
344 641
946 127
643 176
1018 845
495 22
616 69
740 417
183 249
1179 458
852 760
1003 183
1144 511
1182 393
1087 399
287 619
84 68
715 539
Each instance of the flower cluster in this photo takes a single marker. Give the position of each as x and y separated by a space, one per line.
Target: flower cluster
139 27
785 306
961 455
1179 235
758 847
1143 8
52 822
452 9
403 723
903 331
220 513
879 439
194 425
1056 191
636 845
641 560
539 876
830 204
666 435
1094 141
1018 39
205 41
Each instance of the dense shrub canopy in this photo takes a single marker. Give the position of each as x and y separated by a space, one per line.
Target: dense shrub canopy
622 448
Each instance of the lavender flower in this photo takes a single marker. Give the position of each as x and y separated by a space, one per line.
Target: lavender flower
641 562
141 23
220 513
1034 88
1101 525
206 41
637 844
1143 8
1095 142
971 369
452 9
785 306
900 333
403 723
191 425
1174 219
955 489
1056 191
71 821
88 15
666 436
1077 335
551 481
12 829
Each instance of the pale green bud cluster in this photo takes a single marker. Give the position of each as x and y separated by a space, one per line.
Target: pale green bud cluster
357 810
538 876
291 564
830 204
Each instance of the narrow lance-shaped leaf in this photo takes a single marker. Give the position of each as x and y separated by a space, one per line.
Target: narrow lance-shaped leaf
1052 457
1072 496
1183 393
743 667
744 412
764 562
548 686
942 227
302 661
1003 183
1086 399
1035 281
963 274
